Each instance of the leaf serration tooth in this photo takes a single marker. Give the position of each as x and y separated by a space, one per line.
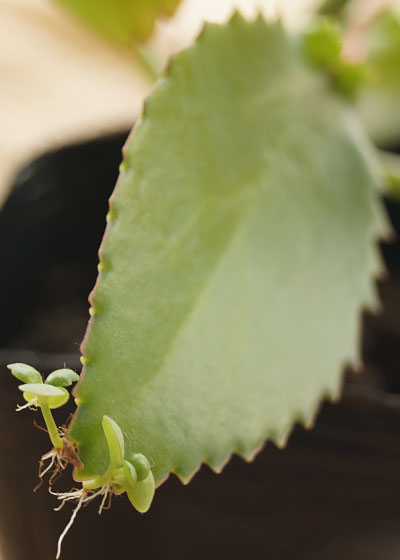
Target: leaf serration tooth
110 216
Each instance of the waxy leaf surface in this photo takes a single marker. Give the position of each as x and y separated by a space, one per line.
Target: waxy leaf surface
240 248
25 373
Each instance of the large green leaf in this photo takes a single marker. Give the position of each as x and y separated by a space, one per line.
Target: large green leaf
123 21
240 248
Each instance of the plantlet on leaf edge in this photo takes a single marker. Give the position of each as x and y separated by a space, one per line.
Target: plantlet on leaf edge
119 477
132 475
48 395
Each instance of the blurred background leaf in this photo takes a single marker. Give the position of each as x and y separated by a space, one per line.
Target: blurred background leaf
379 104
122 21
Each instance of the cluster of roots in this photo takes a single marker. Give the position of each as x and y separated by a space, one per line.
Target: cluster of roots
82 497
57 461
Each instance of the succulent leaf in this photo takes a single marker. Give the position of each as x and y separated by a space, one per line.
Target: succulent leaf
62 378
240 250
25 373
141 495
53 396
141 465
130 473
115 441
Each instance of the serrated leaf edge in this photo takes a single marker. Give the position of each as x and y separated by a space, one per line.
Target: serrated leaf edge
306 419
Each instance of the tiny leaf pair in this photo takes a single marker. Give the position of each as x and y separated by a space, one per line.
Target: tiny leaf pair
59 378
46 395
51 391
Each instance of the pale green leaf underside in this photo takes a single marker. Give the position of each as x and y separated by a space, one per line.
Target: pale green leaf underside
239 251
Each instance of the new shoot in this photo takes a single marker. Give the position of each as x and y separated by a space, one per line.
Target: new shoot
130 473
46 396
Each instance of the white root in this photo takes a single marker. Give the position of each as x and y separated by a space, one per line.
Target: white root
106 492
83 497
56 460
32 405
65 497
69 525
52 456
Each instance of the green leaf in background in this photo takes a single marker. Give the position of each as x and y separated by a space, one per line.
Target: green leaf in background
332 7
122 21
323 42
379 103
323 46
240 249
390 164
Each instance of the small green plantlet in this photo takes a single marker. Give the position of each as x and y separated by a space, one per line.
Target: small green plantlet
132 476
48 395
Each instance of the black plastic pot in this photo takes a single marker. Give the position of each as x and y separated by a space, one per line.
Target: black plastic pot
331 494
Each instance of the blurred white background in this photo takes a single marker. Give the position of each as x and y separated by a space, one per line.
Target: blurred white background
60 82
